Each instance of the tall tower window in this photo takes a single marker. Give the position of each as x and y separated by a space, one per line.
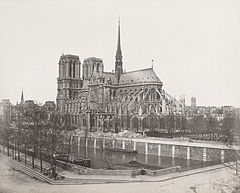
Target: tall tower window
74 72
70 70
98 67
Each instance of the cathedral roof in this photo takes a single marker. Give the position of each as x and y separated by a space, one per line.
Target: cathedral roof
110 76
69 56
93 59
140 76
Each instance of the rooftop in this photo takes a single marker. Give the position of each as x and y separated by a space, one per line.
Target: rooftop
93 59
69 56
139 76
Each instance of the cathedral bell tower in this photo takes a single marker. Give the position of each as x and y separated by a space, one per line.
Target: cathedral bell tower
118 57
69 80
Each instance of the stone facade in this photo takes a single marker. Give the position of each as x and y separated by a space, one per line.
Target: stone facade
111 101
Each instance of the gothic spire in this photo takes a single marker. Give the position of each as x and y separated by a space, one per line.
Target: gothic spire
22 98
119 51
118 61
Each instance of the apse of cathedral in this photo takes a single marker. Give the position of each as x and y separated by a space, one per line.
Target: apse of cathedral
111 101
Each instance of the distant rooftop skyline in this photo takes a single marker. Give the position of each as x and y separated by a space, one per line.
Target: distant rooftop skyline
194 44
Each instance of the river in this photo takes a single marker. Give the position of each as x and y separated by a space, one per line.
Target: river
104 158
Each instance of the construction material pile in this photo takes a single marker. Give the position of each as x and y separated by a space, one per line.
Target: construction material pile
129 134
181 139
100 134
79 132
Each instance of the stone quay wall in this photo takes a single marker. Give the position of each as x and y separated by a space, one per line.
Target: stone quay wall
131 172
202 151
163 171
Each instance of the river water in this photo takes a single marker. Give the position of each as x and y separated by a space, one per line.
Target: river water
104 158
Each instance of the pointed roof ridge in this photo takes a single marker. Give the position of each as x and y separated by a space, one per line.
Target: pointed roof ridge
143 69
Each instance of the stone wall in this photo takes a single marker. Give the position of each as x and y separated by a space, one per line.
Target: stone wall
213 154
118 144
180 151
99 143
166 150
169 150
89 171
163 171
229 155
82 141
90 142
108 143
129 145
140 147
74 140
196 153
153 148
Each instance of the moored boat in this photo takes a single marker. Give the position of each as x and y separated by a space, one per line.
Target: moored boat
122 150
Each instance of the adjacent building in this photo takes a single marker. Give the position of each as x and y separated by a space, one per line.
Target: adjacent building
5 110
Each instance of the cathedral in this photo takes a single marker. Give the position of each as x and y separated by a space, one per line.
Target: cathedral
112 101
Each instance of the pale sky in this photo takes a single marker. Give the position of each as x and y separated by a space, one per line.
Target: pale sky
195 44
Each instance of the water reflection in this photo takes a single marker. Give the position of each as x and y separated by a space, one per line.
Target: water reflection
188 164
146 159
123 158
173 161
134 158
159 160
103 159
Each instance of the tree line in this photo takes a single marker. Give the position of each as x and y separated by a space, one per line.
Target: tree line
198 126
35 131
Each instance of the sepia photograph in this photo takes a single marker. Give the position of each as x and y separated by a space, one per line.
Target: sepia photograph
116 96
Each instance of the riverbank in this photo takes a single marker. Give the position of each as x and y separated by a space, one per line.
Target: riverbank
205 181
68 174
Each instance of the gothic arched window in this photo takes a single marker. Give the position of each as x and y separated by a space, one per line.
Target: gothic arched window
84 120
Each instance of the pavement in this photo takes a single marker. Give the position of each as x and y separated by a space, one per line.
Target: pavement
108 179
12 181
